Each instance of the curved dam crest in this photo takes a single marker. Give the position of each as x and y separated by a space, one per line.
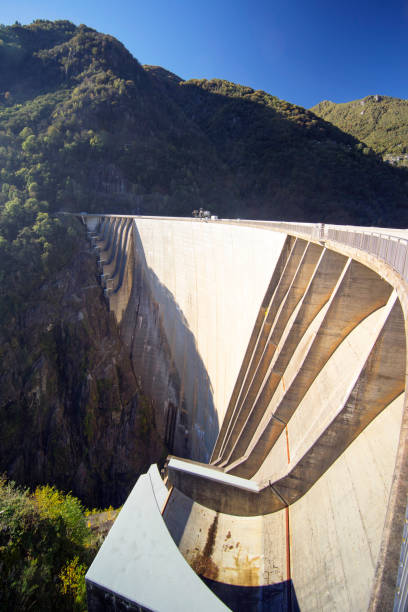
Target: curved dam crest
275 355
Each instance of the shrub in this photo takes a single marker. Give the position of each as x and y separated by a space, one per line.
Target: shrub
45 549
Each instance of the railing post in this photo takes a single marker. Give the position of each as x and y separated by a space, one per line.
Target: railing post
404 273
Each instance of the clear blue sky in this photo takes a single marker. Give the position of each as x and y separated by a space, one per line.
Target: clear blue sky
303 51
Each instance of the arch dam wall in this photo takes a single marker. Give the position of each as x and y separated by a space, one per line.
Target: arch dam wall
276 358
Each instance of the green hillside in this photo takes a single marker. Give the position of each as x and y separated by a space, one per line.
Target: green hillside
46 547
380 122
84 126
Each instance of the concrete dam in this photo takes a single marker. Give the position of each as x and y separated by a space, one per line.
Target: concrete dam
275 354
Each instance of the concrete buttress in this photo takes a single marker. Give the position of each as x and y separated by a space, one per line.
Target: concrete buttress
275 357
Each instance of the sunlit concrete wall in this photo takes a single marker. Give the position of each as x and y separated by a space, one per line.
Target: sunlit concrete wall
338 527
208 282
294 351
182 269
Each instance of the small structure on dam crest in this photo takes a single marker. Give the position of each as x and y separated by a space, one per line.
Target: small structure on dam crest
276 358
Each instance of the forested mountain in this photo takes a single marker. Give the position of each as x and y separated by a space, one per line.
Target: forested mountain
381 122
84 126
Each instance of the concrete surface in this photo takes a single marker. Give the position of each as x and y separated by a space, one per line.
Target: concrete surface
283 359
139 562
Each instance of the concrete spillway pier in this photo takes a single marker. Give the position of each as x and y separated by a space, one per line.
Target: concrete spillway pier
276 358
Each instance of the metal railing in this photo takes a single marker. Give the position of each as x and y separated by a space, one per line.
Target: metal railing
388 245
391 248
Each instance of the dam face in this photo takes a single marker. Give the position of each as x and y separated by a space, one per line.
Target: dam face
275 355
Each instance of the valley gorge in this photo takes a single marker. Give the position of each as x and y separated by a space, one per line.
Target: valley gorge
73 411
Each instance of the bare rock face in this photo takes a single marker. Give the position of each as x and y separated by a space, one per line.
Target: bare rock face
72 411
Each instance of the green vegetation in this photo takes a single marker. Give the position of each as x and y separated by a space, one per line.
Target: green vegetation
83 126
33 245
45 549
380 122
303 167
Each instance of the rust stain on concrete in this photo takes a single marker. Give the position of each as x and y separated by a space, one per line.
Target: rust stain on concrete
202 563
246 569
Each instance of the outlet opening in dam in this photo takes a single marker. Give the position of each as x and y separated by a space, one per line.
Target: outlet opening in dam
275 355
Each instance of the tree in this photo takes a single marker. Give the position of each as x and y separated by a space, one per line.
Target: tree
45 549
30 144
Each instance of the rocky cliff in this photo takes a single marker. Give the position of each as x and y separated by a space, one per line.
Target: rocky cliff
73 412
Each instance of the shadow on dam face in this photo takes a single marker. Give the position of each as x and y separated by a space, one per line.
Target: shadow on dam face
331 391
274 597
166 360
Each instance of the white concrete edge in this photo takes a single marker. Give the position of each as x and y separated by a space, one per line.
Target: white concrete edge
160 490
387 231
215 475
140 562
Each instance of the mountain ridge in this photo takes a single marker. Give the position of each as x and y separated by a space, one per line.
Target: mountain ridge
381 122
110 134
